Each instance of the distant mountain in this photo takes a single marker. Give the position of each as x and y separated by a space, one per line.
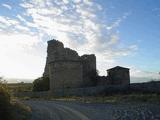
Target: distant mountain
18 80
142 79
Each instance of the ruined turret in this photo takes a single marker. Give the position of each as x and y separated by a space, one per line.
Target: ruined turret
65 68
57 52
54 47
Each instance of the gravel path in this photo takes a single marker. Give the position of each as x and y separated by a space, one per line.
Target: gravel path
54 110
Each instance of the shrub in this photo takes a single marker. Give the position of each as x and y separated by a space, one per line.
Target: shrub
8 109
5 106
41 84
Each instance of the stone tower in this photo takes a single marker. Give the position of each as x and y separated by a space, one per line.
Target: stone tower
53 47
65 68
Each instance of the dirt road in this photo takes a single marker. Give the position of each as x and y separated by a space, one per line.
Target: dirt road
54 110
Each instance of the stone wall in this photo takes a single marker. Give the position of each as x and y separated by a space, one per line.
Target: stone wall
87 91
56 51
65 74
89 68
90 91
66 69
152 87
52 49
119 75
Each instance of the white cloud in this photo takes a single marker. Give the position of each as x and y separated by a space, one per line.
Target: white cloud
117 22
66 1
22 28
7 6
7 22
75 23
21 18
77 1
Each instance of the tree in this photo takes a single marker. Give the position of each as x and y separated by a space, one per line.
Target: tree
5 111
41 84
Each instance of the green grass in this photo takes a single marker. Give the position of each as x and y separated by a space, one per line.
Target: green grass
128 98
20 87
111 98
116 98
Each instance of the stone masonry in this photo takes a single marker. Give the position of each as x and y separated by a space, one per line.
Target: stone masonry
119 76
66 69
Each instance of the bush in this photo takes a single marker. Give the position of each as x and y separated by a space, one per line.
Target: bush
5 106
8 109
41 84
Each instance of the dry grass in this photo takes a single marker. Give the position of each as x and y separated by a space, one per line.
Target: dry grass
20 110
116 98
9 108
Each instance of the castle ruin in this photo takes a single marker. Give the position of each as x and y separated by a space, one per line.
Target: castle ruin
66 69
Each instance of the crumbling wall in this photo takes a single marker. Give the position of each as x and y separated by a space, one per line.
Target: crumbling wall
56 51
66 69
54 48
89 69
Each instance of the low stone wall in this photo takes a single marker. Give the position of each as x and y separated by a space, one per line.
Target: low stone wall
98 90
88 91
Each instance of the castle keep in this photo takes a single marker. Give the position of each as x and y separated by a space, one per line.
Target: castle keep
66 69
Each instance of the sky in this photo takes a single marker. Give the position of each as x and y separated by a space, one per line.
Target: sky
118 32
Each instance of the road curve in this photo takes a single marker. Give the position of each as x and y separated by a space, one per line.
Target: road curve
45 110
56 110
